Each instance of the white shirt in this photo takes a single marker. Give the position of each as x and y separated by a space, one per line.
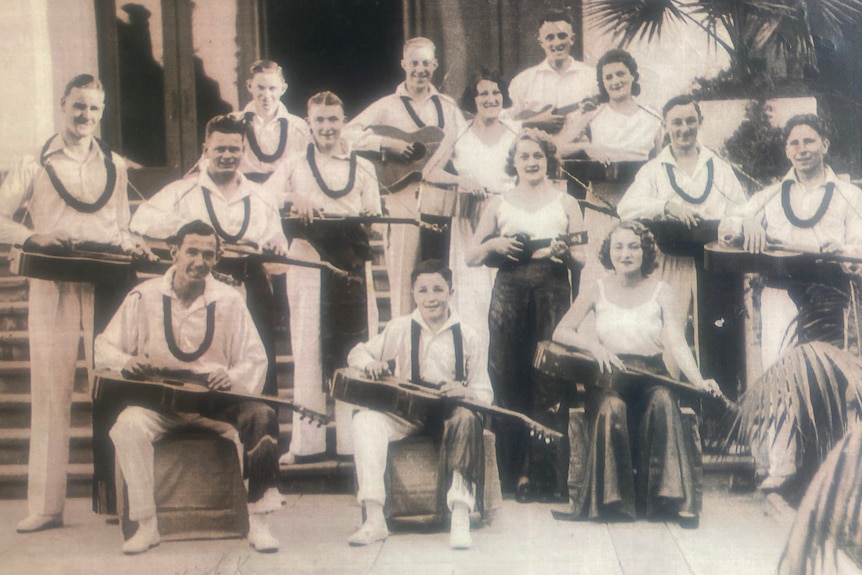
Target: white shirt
625 137
334 170
138 330
652 189
183 201
841 224
486 164
391 111
436 353
541 85
268 134
28 185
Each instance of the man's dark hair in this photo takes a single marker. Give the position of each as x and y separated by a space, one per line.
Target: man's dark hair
613 57
650 259
468 98
226 124
555 16
195 228
431 267
83 81
683 100
813 121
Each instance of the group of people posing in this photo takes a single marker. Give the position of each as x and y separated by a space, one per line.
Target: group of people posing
306 191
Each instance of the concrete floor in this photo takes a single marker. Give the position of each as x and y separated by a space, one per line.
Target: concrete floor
739 533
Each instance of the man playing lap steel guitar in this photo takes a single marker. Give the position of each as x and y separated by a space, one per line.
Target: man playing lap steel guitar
75 192
416 106
187 321
428 345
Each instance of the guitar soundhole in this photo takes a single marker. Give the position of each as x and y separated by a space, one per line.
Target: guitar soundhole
419 151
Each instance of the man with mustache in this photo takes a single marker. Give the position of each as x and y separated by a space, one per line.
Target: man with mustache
328 315
187 321
415 104
75 190
235 207
539 94
813 210
430 345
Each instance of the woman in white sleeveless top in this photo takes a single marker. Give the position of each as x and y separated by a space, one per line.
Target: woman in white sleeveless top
478 160
640 428
524 233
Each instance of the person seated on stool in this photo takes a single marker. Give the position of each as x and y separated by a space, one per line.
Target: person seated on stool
635 325
441 338
189 321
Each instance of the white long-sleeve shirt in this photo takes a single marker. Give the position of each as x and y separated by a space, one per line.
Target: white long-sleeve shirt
183 201
841 223
652 189
28 185
541 85
138 330
436 353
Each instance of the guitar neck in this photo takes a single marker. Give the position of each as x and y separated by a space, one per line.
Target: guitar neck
503 412
809 253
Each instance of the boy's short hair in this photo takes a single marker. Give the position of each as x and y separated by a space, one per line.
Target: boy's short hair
195 228
431 267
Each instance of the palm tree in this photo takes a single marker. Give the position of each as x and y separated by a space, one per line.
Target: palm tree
748 30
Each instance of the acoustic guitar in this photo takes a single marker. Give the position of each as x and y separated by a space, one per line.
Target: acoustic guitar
183 391
394 173
677 239
777 261
414 401
92 263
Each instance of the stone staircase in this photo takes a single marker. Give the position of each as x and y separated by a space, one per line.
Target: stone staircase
325 475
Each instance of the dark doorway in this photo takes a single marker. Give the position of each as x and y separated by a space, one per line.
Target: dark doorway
351 47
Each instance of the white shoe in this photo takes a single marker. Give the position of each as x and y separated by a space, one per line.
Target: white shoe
288 458
33 523
145 537
259 535
369 533
271 501
459 530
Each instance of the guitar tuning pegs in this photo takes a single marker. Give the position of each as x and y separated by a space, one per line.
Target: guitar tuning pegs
532 433
548 440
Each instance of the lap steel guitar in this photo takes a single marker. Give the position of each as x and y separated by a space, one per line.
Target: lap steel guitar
414 401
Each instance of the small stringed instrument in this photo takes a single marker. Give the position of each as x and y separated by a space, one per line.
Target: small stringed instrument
415 401
394 173
565 362
293 224
530 247
777 261
184 393
85 262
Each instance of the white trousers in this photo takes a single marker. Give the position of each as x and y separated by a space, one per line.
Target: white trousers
401 249
303 296
134 433
372 432
59 313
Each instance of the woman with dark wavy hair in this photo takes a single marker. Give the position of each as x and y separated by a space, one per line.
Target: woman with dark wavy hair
641 428
525 231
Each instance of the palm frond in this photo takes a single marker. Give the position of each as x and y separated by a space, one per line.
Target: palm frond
634 19
808 388
834 13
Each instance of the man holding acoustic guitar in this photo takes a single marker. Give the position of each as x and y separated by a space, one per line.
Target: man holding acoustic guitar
429 345
75 192
401 132
187 322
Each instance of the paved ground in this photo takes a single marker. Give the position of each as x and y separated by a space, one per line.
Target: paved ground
739 534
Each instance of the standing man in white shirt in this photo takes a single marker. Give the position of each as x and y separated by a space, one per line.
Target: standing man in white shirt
75 190
415 104
545 96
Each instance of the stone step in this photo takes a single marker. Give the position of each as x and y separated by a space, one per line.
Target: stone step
15 410
13 288
13 480
13 315
15 378
15 446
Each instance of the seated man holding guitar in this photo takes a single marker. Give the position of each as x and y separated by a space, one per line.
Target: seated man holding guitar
430 345
187 321
402 131
811 211
237 208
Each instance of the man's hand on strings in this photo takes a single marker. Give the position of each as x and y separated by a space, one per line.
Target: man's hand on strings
219 380
457 390
377 370
680 212
753 236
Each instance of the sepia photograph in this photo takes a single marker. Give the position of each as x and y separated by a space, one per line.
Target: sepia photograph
431 287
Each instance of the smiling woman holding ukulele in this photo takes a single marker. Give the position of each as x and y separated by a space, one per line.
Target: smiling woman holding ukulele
525 232
635 325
